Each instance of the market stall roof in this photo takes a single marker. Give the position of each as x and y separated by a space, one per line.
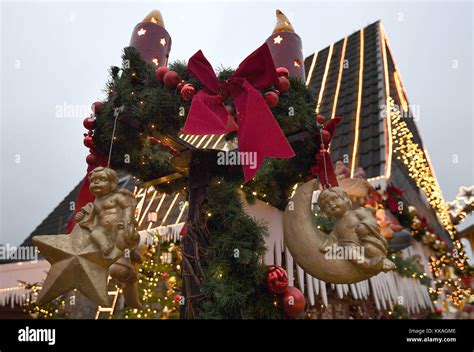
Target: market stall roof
357 78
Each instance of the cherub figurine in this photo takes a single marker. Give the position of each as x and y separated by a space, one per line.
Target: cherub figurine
355 228
110 218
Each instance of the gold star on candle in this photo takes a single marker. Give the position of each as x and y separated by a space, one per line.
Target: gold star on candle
142 31
156 61
163 41
297 63
277 40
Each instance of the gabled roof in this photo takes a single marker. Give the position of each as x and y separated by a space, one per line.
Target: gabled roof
348 82
357 78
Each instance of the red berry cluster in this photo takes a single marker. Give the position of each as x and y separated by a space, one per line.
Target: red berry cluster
89 124
283 86
171 80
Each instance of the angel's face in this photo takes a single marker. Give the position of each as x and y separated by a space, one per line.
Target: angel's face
334 205
100 183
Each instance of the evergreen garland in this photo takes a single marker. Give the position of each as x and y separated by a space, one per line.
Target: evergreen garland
408 268
151 109
234 278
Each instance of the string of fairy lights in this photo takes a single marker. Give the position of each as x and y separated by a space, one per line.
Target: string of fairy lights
159 285
453 289
413 157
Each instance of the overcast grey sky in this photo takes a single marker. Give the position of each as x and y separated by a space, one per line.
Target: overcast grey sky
56 55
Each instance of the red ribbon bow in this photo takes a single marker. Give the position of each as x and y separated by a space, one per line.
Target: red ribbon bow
258 132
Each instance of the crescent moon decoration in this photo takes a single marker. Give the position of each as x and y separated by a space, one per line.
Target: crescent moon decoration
310 247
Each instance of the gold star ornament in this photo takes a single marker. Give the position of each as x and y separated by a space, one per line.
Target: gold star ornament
75 263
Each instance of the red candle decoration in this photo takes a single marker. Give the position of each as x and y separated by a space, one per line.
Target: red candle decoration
286 47
152 40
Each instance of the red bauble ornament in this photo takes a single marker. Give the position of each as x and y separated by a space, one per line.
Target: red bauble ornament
271 98
277 279
171 79
89 141
293 302
283 84
187 92
91 159
180 86
326 136
320 119
89 123
283 71
165 276
96 106
160 72
177 298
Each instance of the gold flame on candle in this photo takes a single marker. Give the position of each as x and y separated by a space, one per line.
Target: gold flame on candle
283 23
155 17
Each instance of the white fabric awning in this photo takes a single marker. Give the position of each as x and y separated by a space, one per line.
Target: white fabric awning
11 276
